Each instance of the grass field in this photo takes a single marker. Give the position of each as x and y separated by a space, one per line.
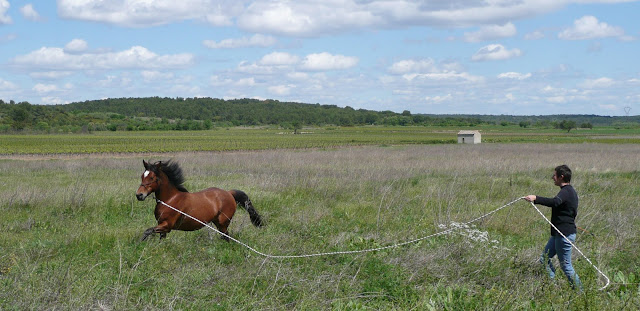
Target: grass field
70 229
233 139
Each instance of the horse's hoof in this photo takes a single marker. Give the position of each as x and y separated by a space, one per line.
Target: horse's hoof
146 234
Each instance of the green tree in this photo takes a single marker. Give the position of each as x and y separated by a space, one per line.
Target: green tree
567 125
20 116
586 125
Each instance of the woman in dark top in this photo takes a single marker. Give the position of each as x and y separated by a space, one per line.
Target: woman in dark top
564 209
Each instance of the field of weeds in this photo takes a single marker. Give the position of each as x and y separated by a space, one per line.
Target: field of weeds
70 230
257 138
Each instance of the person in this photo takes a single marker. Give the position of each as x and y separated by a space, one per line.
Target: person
564 209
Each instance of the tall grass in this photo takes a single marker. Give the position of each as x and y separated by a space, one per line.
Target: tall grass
69 231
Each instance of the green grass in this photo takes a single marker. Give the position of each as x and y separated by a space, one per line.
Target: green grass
70 229
230 139
227 139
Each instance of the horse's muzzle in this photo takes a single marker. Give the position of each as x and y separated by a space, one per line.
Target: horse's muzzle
141 196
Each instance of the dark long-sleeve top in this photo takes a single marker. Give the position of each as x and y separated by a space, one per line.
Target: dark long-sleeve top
564 209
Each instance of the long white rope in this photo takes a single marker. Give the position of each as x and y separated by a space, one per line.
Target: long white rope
336 252
573 245
382 247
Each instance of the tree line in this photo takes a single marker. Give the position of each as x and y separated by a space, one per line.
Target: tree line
163 113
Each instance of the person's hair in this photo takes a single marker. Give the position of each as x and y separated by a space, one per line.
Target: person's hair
563 170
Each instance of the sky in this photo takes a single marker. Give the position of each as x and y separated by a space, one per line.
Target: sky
513 57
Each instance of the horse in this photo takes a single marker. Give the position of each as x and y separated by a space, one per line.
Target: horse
165 179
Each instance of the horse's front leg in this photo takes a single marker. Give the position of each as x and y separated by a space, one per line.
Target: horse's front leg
162 228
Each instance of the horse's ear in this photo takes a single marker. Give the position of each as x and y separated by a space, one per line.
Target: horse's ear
146 165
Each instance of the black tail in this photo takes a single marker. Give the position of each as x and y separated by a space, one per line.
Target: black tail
242 199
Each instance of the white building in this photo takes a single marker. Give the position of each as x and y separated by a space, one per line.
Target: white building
469 137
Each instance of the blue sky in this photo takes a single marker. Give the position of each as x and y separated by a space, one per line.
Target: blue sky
518 57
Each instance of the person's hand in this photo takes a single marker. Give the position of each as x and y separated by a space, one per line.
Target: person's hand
530 198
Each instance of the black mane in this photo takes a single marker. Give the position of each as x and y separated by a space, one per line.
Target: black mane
174 174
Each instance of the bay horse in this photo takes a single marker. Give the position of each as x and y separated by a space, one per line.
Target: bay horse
215 205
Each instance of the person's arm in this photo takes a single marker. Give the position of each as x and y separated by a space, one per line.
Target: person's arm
550 202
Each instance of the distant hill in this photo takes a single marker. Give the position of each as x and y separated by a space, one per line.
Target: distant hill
157 113
595 120
237 111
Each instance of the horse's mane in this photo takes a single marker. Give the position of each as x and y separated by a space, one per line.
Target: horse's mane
174 174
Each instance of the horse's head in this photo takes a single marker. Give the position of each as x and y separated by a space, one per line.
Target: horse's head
150 180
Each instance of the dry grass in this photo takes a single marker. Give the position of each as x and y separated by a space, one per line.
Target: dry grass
71 228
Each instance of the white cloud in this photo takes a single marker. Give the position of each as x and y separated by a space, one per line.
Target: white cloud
257 40
549 89
422 66
446 76
325 61
557 99
514 75
44 88
588 27
114 81
7 85
137 57
312 18
305 18
137 13
29 12
536 35
609 107
279 59
219 81
76 46
491 32
373 81
298 76
4 7
408 66
510 97
246 67
495 52
50 75
415 71
151 75
246 82
280 89
439 99
49 100
603 82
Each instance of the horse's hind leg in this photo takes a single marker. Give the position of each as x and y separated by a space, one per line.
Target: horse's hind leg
224 230
151 231
222 223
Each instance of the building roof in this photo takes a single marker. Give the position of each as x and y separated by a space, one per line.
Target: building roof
468 133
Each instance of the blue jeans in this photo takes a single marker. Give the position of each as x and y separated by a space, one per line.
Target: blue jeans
557 245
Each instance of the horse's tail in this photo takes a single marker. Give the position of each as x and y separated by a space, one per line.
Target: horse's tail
243 199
